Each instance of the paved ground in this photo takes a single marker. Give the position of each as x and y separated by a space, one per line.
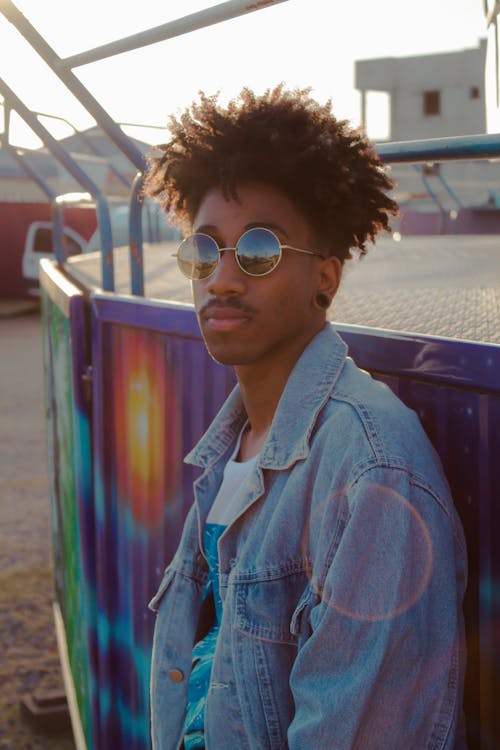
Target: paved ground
24 488
447 287
28 655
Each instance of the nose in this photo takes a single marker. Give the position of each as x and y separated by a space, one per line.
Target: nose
228 279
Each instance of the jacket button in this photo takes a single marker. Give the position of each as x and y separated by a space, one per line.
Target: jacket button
176 675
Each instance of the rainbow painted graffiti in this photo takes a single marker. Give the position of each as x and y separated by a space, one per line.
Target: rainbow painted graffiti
120 494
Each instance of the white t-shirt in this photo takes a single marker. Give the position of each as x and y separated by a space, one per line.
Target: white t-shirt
228 502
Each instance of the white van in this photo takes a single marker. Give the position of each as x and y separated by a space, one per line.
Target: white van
38 243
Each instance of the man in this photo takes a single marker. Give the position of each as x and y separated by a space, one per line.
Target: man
315 597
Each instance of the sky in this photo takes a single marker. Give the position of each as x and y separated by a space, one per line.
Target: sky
302 42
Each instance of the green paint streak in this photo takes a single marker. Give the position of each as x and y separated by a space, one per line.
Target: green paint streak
70 587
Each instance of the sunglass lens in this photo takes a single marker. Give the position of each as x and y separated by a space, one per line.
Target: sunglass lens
198 256
258 251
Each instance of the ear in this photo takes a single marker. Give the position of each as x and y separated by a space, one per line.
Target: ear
329 276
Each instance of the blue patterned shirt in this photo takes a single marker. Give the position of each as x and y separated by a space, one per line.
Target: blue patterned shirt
224 510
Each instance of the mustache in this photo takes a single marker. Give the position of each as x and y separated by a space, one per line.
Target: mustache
226 304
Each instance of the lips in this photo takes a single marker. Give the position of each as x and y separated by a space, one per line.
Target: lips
224 318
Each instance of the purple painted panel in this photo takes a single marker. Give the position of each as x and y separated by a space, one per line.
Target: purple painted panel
155 390
454 387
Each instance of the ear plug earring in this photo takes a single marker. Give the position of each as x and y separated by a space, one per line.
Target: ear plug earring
322 300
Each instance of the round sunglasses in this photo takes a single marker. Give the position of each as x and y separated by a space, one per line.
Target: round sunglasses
257 252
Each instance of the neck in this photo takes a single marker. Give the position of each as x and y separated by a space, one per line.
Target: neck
263 382
261 392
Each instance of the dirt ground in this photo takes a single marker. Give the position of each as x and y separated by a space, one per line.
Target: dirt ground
28 653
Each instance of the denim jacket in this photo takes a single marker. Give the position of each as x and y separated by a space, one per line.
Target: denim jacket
342 579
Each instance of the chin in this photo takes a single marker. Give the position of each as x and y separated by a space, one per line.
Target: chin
227 358
225 355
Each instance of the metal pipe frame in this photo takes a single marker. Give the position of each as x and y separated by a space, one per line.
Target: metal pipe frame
135 237
54 146
445 185
457 148
25 166
192 22
472 147
62 67
450 191
103 119
491 15
88 141
56 209
433 195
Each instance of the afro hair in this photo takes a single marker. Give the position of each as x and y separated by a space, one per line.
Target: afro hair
285 139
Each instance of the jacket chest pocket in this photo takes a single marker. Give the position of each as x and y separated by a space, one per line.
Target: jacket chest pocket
265 609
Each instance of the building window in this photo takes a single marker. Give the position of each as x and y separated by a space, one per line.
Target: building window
432 103
474 92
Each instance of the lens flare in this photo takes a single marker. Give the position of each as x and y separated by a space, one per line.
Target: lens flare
145 415
383 560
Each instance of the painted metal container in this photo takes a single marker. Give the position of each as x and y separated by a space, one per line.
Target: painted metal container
120 491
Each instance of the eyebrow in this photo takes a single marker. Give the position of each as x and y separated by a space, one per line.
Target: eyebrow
267 225
206 228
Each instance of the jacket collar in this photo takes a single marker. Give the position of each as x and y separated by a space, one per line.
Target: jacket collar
309 386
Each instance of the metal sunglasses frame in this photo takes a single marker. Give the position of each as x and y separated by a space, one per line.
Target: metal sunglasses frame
221 250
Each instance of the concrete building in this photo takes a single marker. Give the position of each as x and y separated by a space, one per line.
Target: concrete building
433 96
429 95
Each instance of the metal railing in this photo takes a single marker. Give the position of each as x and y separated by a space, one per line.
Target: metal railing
472 147
63 69
74 169
33 174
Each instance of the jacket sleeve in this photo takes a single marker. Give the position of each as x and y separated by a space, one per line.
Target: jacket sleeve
380 662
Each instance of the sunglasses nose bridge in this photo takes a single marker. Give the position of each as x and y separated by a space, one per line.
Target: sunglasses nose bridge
227 257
